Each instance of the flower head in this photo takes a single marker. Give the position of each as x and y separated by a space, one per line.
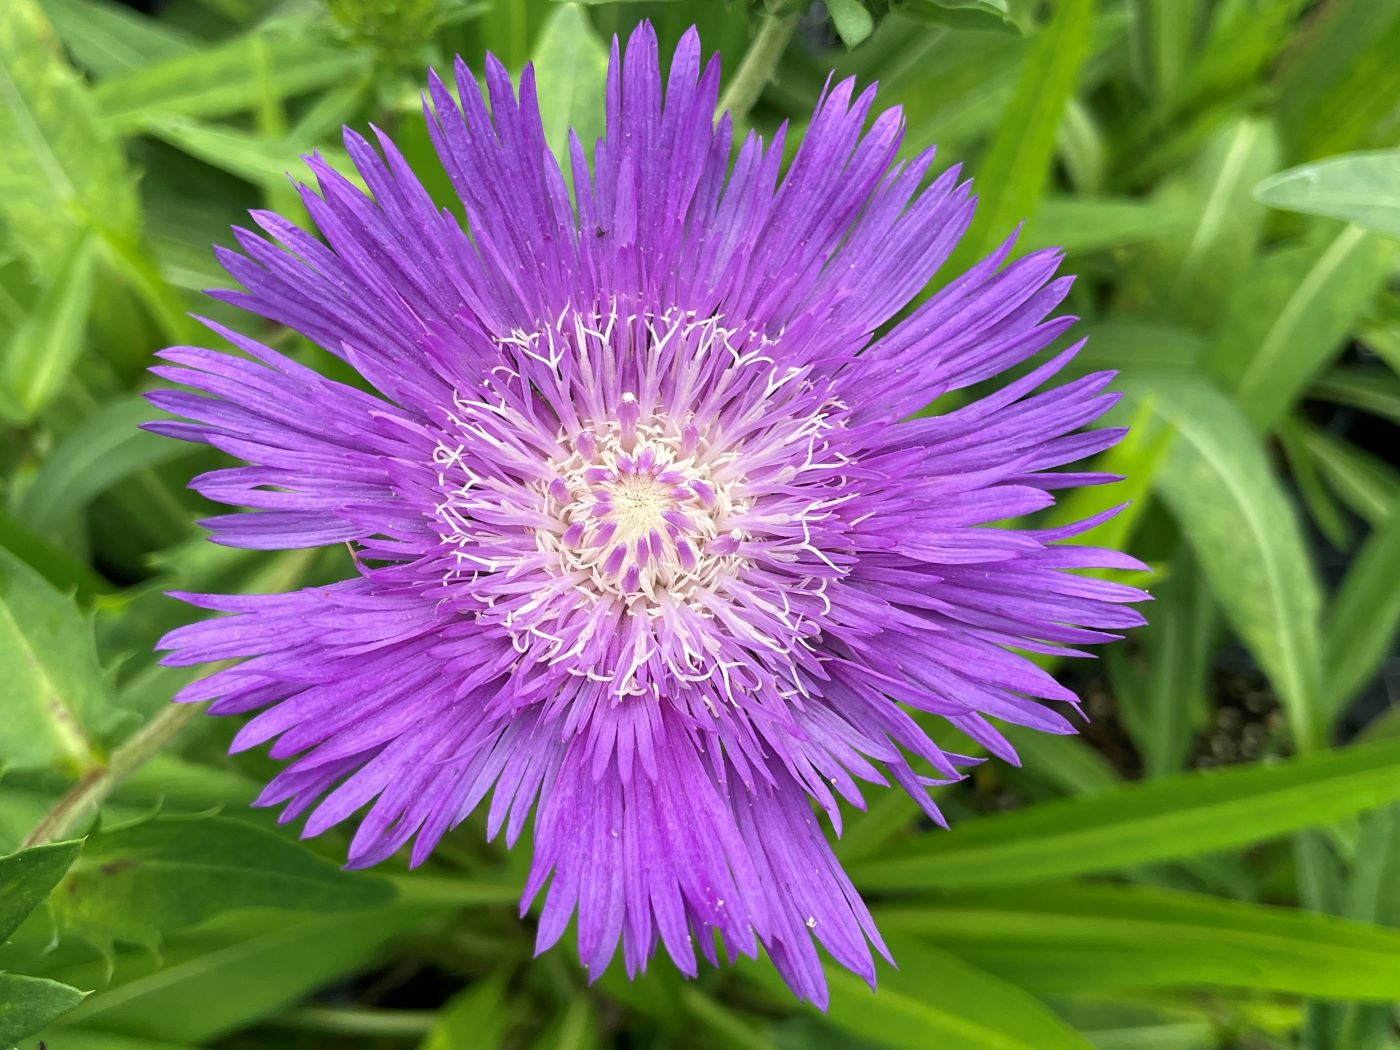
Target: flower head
646 540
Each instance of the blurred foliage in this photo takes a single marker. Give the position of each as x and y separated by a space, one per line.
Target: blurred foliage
1224 177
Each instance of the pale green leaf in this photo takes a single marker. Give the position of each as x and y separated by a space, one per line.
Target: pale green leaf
571 69
62 169
110 38
55 695
44 350
27 878
851 20
27 1004
1362 188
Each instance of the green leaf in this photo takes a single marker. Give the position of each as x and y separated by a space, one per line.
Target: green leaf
1012 176
136 882
1247 539
54 562
63 171
262 161
851 20
571 68
479 1016
1370 389
28 877
1290 315
47 346
1176 816
27 1004
970 14
1104 938
224 979
106 449
1362 622
1364 482
1208 262
56 697
1362 188
109 39
1170 29
935 999
225 79
1090 224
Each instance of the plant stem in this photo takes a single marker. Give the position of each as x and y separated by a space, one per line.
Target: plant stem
92 790
756 70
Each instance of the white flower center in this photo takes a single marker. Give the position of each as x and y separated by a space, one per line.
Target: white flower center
641 508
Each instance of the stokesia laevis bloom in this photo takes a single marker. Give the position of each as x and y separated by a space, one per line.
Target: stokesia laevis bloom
645 539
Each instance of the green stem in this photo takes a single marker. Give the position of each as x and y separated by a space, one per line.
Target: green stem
83 798
757 68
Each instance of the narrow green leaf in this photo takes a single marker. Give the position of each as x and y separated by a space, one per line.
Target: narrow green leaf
1099 939
223 80
63 170
1170 27
28 877
1324 509
1229 222
935 999
1090 224
56 696
108 38
27 1004
571 68
1289 317
1360 188
134 883
106 449
1012 176
1247 539
1369 389
60 566
262 161
216 982
1362 622
1364 482
44 351
1182 815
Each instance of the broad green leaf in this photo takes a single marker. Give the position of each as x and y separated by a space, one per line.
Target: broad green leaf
1362 188
109 38
47 346
106 449
1100 939
935 999
571 69
27 878
851 20
1289 316
27 1004
1012 176
225 978
1176 816
62 171
1245 534
223 80
1361 624
479 1016
56 698
136 882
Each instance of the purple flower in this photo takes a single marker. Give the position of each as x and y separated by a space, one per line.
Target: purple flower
644 537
